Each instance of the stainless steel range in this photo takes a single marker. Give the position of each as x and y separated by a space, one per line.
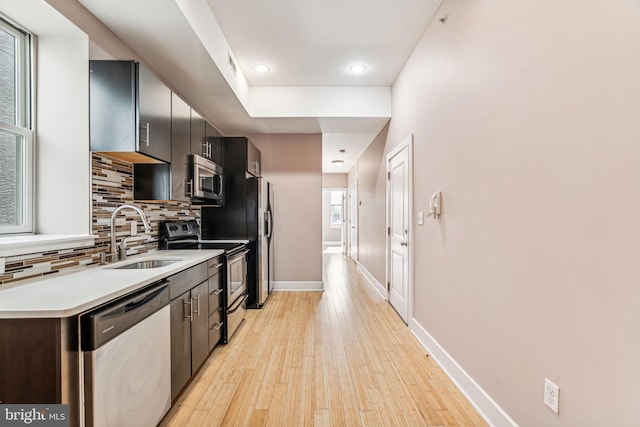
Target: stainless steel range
186 235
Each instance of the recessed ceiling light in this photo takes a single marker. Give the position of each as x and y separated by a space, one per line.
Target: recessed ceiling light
358 68
337 163
261 68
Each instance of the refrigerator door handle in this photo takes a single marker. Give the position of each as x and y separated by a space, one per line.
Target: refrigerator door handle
268 224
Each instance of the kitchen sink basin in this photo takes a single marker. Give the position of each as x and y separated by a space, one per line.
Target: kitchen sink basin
149 263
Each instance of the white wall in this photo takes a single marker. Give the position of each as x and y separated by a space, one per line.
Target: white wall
63 201
63 187
293 164
526 115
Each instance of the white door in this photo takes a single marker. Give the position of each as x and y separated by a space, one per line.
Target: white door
398 230
353 222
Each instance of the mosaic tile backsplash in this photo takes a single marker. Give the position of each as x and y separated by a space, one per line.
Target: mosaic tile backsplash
112 186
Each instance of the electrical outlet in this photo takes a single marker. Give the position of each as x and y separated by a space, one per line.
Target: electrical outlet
134 228
551 395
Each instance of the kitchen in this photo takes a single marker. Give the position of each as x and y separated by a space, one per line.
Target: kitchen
497 117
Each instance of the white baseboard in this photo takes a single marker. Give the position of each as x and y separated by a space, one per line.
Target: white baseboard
298 286
377 286
484 404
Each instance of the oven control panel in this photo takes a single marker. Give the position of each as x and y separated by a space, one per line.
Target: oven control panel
174 230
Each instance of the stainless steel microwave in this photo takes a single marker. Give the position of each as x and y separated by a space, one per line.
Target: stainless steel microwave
206 181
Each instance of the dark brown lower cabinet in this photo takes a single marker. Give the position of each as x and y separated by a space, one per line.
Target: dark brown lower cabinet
189 332
216 302
39 362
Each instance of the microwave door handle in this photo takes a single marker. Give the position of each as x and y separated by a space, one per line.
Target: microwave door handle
213 180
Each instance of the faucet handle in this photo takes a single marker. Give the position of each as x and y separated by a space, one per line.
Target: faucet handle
122 249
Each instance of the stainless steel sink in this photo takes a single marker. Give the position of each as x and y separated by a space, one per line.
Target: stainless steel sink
149 263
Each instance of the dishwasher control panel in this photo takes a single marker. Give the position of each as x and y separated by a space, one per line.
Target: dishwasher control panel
113 318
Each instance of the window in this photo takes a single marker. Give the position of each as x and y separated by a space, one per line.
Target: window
16 134
337 207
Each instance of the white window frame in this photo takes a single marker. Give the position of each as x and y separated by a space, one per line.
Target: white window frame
23 126
331 205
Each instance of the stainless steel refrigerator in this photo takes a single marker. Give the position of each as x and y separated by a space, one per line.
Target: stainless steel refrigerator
265 282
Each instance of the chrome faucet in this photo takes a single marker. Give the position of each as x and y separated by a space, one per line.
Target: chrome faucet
114 250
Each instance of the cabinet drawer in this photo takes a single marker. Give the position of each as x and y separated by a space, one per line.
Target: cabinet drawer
215 266
216 327
215 298
215 282
185 280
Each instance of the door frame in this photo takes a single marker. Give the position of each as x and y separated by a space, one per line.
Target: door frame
343 228
407 142
353 213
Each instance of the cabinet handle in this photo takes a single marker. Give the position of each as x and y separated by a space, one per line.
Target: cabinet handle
197 310
147 132
206 149
190 315
217 292
217 326
217 266
188 188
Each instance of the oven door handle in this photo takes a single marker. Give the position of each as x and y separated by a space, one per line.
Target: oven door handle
238 255
238 302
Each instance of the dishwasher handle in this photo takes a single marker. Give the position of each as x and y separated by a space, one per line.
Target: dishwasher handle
142 301
101 325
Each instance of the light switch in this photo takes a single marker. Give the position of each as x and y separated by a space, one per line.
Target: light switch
420 218
134 228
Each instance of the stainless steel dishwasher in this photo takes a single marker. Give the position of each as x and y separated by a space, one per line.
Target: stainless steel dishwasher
126 348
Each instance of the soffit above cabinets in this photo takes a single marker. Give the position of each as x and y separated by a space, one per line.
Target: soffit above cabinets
309 47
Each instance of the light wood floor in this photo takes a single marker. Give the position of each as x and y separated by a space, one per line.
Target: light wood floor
341 357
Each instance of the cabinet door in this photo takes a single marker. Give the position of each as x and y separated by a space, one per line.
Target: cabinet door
211 131
180 342
154 112
200 325
253 159
213 144
219 150
180 147
112 105
198 133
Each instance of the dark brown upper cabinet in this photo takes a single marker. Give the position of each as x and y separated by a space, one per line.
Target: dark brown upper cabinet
242 155
180 147
205 139
130 112
198 134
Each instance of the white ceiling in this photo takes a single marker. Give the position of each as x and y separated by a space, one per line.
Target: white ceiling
309 46
313 42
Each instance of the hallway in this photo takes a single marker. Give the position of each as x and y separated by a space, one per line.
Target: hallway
333 358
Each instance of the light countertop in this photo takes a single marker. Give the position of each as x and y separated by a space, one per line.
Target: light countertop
66 295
